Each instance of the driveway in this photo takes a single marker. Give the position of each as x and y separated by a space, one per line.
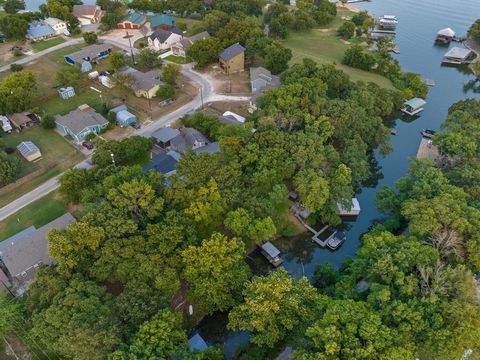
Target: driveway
117 37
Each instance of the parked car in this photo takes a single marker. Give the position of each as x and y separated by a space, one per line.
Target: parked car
135 126
88 145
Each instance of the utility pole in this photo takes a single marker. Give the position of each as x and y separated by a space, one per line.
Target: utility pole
201 95
131 50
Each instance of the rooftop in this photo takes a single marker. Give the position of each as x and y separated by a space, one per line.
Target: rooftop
143 80
80 118
196 342
53 21
165 134
27 147
162 20
231 52
447 32
415 103
458 53
89 52
270 249
135 18
161 35
209 148
40 30
85 10
163 163
200 36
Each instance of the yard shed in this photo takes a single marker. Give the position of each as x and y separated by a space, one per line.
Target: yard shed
123 117
23 120
66 92
6 126
29 150
164 135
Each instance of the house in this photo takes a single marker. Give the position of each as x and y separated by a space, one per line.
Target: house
144 84
164 135
66 92
88 14
211 148
445 35
353 211
88 55
180 48
413 106
58 25
21 255
164 163
80 122
6 126
196 343
261 79
163 39
123 117
458 56
39 31
190 139
23 120
271 253
163 21
232 59
133 20
29 151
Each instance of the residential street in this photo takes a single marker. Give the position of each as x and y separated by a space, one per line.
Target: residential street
206 91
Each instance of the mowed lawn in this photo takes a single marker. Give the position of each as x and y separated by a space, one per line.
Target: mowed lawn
38 213
57 155
325 47
42 45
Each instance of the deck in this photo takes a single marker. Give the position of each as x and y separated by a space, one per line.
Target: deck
316 234
426 150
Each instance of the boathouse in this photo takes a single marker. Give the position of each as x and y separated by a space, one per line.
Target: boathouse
445 35
413 106
354 209
271 253
458 56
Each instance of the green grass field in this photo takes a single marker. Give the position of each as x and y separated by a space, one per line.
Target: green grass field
42 45
38 213
176 59
325 47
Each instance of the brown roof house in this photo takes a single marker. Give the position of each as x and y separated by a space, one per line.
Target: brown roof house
88 14
144 84
181 47
80 122
232 59
22 254
23 120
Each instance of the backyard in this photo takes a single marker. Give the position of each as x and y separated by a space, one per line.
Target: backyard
325 47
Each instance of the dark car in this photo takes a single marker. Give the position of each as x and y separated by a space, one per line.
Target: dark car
88 145
135 125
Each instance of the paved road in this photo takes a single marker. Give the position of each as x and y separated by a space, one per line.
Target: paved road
32 57
206 94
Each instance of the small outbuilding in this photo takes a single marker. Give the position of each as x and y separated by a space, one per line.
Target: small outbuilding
23 120
6 126
413 106
123 117
445 35
29 150
458 56
232 59
271 253
66 92
353 211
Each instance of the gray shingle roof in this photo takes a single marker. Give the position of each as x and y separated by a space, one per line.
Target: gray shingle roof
77 120
161 35
143 80
163 163
165 134
231 51
28 248
200 36
210 148
89 52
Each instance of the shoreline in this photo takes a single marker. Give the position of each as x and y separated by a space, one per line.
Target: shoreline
350 7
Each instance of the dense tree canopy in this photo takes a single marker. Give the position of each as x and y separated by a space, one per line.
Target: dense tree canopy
17 91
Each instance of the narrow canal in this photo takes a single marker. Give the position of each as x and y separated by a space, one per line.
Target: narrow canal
419 22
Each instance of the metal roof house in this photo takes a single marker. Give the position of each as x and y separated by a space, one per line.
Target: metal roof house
164 163
211 148
271 253
90 54
123 117
164 135
457 56
413 106
29 151
133 20
21 254
232 59
445 35
40 31
162 22
80 122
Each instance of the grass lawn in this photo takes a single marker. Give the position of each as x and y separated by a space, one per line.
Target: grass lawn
325 47
176 59
140 43
42 45
38 213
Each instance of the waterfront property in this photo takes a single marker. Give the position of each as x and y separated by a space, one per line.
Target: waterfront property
388 22
271 253
22 254
133 20
445 35
123 117
413 106
29 151
354 209
232 59
80 122
458 56
336 240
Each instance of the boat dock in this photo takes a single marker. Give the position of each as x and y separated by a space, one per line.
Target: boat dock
379 31
426 150
316 234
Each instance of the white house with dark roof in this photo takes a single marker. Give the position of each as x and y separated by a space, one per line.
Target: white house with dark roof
80 122
23 253
164 39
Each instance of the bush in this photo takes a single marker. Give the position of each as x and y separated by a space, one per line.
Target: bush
10 167
346 30
16 67
90 136
182 25
166 91
48 122
111 117
17 53
90 37
9 150
359 58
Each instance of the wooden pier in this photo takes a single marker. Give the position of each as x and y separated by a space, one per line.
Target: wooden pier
316 234
426 150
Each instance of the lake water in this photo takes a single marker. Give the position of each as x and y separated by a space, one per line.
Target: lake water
33 5
419 22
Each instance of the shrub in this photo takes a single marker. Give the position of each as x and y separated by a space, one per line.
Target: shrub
9 150
48 122
16 67
90 37
166 91
346 30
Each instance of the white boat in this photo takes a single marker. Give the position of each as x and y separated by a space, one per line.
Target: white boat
388 22
337 239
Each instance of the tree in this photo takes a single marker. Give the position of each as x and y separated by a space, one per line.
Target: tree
204 51
346 30
73 182
117 60
170 74
80 323
73 24
90 37
69 76
10 314
165 92
159 338
215 20
10 167
216 272
16 67
13 27
357 57
114 13
274 306
474 30
16 92
12 6
126 152
313 189
257 230
148 59
48 122
277 57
